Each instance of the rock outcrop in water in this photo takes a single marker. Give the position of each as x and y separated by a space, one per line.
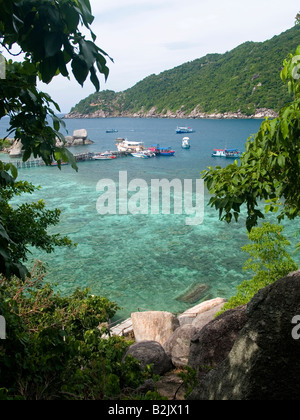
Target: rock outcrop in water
79 138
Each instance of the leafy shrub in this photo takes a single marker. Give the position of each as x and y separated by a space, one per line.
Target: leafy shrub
54 347
269 260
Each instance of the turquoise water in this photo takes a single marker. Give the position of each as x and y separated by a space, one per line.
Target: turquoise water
143 261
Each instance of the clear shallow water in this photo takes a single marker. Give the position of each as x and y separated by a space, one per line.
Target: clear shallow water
143 261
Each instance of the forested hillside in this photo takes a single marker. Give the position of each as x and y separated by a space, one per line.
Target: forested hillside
244 79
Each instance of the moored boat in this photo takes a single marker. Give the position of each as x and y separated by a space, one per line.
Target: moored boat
129 146
104 156
186 143
145 154
227 153
61 163
111 130
183 130
141 155
165 151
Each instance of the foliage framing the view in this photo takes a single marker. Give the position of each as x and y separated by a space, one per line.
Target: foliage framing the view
54 348
269 261
48 34
270 167
47 39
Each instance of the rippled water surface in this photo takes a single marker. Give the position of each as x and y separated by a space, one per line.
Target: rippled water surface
144 261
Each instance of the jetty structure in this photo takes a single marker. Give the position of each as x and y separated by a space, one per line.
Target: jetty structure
79 157
79 138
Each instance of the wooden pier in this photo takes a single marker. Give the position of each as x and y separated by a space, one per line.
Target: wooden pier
79 157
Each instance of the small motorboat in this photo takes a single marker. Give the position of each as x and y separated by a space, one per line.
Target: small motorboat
186 143
227 153
165 151
61 163
183 130
141 155
111 130
104 156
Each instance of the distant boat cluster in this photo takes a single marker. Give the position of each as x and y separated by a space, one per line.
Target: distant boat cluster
137 149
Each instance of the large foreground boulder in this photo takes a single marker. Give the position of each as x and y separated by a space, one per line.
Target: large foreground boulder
213 305
178 345
150 353
153 326
212 343
264 363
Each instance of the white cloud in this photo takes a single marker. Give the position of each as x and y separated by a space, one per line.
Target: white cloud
150 36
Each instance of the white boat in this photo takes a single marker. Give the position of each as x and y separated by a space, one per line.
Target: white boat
130 146
141 155
186 143
104 156
182 130
226 153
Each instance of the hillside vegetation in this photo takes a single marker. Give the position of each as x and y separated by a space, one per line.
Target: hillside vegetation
244 79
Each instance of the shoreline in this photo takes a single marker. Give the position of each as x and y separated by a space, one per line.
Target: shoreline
259 114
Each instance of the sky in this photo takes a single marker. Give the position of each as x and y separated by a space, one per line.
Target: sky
150 36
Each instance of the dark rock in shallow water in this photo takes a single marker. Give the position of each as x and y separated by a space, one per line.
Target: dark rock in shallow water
193 294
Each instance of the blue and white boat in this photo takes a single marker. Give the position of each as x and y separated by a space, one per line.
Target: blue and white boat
227 153
140 155
111 130
183 130
186 143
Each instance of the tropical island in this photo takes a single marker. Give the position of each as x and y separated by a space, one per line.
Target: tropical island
56 347
242 83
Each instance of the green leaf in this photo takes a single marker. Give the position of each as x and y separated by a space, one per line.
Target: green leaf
53 43
284 128
88 52
71 17
80 70
14 171
281 161
48 68
94 79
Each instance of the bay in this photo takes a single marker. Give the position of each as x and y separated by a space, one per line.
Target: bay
143 261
